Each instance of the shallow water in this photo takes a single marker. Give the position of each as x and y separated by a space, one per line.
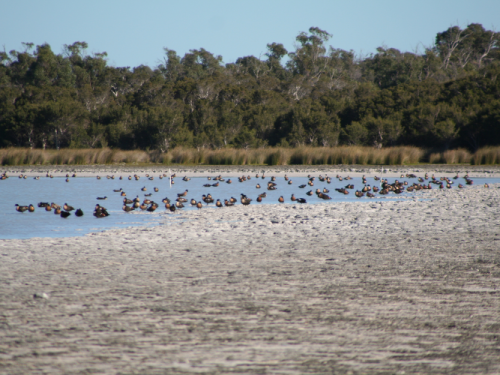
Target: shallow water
82 192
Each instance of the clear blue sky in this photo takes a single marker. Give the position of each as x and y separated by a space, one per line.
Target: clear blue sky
134 33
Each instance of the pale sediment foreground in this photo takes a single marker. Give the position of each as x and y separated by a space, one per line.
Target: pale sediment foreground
393 287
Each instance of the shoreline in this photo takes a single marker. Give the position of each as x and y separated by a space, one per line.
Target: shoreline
382 287
231 171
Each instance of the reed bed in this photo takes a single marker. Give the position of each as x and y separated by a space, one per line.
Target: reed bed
486 156
346 155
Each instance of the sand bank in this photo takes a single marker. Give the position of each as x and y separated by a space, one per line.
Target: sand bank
232 171
390 287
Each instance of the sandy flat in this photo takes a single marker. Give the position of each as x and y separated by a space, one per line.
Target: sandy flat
410 286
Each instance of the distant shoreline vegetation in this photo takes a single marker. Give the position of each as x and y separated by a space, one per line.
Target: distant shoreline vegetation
347 155
316 98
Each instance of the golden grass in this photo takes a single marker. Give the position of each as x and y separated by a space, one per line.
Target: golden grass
486 156
347 155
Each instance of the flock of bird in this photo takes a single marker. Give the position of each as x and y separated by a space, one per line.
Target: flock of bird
181 199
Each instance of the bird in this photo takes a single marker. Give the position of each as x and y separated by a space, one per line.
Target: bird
100 211
21 208
65 214
227 203
281 199
79 212
301 200
199 205
152 207
218 203
302 186
67 207
102 198
245 200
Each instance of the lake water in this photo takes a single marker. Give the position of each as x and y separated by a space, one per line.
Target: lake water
82 192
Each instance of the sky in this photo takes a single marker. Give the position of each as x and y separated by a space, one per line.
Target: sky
134 33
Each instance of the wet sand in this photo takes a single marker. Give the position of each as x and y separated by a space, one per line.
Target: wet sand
363 288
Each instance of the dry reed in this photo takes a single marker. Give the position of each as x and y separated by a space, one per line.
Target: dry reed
346 155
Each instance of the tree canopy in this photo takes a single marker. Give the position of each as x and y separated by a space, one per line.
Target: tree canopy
446 96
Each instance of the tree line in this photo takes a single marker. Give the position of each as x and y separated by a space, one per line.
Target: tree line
445 97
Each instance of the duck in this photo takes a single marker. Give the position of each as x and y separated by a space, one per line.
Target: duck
290 182
67 207
229 181
257 186
48 208
172 208
102 198
199 205
183 194
193 202
117 190
206 199
310 192
148 195
302 186
100 211
281 199
21 208
218 203
31 208
293 198
165 200
245 200
43 204
79 212
227 203
301 200
143 188
153 207
65 214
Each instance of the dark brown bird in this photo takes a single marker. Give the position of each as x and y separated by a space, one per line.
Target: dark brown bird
21 208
